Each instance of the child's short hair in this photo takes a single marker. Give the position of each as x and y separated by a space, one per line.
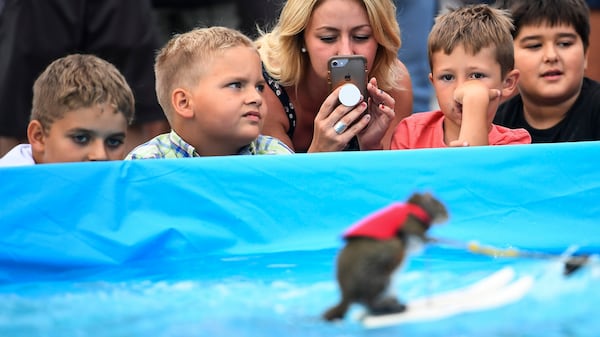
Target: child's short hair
180 62
79 81
574 13
474 27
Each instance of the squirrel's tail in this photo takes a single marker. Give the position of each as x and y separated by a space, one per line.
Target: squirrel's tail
337 312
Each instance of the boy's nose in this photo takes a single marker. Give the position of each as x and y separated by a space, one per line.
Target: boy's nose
97 151
256 97
550 54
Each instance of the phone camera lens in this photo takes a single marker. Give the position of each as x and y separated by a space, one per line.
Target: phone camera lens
334 63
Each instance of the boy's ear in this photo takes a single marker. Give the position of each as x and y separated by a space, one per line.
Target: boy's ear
182 103
509 85
431 78
36 136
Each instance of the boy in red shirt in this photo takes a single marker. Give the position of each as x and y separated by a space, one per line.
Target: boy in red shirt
471 59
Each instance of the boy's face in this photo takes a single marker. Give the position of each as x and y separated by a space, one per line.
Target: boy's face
451 71
84 134
551 61
227 101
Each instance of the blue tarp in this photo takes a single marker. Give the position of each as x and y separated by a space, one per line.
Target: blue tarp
124 222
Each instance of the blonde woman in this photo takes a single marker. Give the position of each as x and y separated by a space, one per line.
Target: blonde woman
302 111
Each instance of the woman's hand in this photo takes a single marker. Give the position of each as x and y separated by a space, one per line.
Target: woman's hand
337 124
381 111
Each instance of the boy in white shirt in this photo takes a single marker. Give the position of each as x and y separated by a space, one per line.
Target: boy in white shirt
81 108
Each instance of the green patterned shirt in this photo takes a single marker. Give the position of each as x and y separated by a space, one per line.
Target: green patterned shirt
170 145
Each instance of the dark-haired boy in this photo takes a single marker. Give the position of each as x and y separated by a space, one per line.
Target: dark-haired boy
556 103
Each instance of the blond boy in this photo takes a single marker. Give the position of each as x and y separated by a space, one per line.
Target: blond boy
209 83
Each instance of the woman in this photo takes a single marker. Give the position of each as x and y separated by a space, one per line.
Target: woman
302 111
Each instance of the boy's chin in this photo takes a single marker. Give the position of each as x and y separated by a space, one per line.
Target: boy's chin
248 136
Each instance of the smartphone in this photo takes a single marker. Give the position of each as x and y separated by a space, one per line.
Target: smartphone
348 69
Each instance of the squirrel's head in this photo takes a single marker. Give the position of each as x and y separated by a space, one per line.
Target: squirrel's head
434 209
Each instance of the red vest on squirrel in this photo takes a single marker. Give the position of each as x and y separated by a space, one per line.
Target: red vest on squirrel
385 223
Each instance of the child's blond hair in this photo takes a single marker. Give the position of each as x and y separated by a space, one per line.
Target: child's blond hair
180 63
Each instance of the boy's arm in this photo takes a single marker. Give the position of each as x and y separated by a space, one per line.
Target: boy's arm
475 98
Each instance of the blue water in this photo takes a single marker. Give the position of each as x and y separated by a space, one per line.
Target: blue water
282 294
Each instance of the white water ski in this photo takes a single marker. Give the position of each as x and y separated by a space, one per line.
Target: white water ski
490 292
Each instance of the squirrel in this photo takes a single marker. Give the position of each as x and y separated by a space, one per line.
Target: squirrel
375 247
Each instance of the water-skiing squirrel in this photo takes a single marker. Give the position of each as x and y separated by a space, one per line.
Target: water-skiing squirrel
375 247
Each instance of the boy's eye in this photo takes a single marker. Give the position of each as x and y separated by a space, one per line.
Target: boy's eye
81 138
446 77
235 85
565 43
477 75
533 46
114 142
260 87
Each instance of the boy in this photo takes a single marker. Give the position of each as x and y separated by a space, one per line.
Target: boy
471 59
209 83
556 103
81 108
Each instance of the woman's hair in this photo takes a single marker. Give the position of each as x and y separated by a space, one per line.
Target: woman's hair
474 27
183 60
280 48
79 81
